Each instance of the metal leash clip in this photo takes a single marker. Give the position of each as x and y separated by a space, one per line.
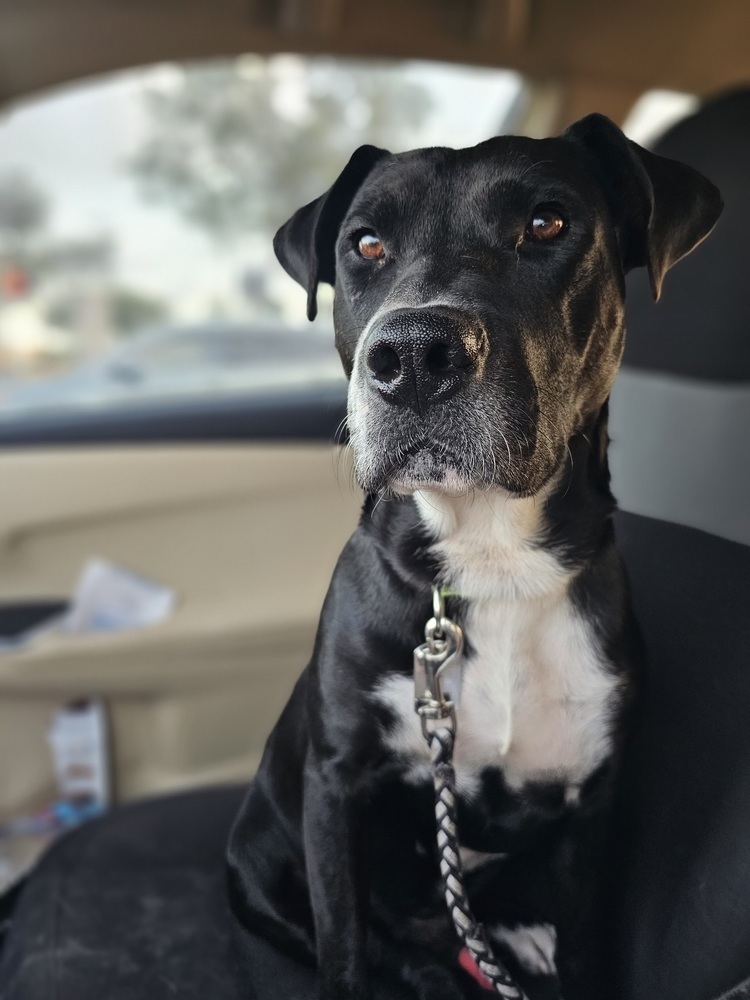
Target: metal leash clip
444 644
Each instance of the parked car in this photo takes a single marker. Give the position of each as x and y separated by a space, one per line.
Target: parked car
217 357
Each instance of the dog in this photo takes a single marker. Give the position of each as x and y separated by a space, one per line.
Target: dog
478 311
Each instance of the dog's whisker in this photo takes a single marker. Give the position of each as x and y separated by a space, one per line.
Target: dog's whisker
510 457
570 477
340 428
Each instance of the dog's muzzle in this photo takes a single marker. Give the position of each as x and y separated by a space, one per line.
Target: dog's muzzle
418 357
428 405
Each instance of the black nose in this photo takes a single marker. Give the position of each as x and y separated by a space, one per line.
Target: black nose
416 357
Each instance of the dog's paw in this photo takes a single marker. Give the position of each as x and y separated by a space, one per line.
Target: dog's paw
533 946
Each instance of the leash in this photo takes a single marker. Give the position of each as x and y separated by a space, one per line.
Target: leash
443 646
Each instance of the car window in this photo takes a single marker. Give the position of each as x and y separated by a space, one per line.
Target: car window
137 213
655 111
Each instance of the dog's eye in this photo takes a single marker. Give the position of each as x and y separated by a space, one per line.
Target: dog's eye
545 223
370 246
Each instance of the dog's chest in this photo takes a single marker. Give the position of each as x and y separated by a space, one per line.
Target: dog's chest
535 693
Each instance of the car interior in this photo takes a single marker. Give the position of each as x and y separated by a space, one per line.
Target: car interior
226 489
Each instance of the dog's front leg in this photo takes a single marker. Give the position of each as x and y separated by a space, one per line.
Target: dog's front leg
338 883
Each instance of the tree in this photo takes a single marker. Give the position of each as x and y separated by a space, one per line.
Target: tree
133 311
25 243
130 311
234 146
23 216
23 211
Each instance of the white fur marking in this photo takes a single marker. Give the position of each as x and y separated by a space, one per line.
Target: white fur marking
475 859
535 692
534 946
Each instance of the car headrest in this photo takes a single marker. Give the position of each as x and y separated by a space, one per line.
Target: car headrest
680 409
701 326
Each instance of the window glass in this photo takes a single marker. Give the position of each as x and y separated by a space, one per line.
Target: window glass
656 111
137 212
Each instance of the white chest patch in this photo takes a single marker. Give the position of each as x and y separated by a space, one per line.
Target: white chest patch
535 693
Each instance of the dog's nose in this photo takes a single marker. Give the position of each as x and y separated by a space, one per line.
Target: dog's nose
417 357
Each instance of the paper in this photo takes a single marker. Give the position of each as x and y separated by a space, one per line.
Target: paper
107 598
111 599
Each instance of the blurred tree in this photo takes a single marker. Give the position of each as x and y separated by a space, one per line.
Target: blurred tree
25 243
129 311
62 312
23 212
234 146
132 311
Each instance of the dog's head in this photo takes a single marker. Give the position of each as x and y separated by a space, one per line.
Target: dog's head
479 295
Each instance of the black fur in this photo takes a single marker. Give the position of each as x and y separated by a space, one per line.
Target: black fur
507 349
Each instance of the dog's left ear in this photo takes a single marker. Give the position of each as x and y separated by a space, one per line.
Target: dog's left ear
306 244
662 209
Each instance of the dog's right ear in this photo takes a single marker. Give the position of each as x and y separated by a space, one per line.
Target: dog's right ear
662 209
306 244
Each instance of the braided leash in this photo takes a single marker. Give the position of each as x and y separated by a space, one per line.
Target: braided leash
468 928
444 642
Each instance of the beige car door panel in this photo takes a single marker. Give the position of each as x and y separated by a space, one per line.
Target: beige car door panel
247 536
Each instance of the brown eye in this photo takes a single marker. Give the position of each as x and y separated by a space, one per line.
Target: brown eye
545 224
371 247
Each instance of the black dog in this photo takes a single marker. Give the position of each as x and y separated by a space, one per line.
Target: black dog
479 318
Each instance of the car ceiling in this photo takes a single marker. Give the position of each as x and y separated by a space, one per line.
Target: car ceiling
613 50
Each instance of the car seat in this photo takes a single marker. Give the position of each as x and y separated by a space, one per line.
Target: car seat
680 410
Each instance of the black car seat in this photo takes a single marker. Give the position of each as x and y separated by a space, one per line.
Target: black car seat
680 412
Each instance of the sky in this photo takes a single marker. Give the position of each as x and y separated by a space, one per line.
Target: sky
74 143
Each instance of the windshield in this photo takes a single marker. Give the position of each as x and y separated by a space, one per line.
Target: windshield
137 213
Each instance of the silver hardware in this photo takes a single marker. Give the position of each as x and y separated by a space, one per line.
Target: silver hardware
444 643
438 604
